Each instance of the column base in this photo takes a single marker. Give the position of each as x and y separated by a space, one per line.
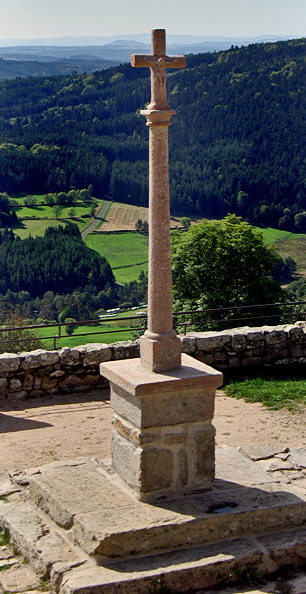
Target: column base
163 444
162 353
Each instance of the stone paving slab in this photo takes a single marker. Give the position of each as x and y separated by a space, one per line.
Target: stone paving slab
36 539
232 465
66 490
107 522
19 578
128 527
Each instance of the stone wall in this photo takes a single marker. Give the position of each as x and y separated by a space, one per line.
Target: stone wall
76 370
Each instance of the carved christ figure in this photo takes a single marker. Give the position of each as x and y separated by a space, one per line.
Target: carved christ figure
158 62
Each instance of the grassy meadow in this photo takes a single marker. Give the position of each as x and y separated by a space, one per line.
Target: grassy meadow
115 330
287 244
45 216
127 253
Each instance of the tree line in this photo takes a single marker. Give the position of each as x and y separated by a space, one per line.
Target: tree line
238 143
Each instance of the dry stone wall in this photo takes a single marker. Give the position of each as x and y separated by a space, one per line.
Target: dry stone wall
30 375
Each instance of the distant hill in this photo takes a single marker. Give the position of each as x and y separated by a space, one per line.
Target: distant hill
15 67
238 143
87 54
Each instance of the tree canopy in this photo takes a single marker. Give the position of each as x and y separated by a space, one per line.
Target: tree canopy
59 261
221 264
237 145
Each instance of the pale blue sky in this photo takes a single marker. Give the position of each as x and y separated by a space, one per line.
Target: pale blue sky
55 18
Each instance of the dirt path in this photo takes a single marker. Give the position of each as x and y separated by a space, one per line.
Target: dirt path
38 431
99 215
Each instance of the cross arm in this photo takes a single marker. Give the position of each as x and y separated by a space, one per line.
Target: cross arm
142 60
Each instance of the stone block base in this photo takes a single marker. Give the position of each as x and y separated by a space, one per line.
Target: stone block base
163 443
162 354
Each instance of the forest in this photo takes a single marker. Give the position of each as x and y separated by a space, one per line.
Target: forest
237 143
56 276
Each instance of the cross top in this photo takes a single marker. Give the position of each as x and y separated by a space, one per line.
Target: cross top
158 62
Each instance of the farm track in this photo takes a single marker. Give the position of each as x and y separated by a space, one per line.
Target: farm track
102 210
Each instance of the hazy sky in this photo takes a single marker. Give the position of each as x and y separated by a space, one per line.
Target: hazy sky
56 18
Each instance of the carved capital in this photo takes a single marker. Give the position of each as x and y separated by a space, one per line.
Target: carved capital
158 117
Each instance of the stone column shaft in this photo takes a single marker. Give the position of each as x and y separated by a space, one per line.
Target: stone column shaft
160 349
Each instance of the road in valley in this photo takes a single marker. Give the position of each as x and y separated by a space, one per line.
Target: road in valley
101 212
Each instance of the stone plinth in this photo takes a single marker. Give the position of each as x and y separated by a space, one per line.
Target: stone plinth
163 443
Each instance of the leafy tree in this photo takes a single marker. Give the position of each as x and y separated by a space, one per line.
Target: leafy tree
221 264
284 270
185 222
300 221
20 340
145 227
70 329
57 210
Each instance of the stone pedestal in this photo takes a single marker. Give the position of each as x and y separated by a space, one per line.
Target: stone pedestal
163 443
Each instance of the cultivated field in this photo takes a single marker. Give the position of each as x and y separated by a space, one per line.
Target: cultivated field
287 244
122 217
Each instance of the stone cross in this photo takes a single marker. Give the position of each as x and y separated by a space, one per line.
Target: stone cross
160 348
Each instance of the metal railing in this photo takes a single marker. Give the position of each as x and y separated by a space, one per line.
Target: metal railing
192 320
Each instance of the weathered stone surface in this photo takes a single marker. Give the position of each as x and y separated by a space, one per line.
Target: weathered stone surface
258 451
39 358
232 464
71 381
9 362
126 460
210 341
162 402
47 383
238 340
189 344
251 361
28 382
37 383
125 350
3 385
156 469
19 578
182 570
58 373
297 334
69 356
5 553
183 468
276 337
57 491
298 457
275 464
6 485
204 455
94 353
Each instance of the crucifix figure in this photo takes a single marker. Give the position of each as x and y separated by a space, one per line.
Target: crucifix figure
160 348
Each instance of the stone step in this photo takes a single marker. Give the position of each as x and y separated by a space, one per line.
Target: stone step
36 537
71 571
191 569
105 521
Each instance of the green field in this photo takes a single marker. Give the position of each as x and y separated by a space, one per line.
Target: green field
90 336
48 211
127 253
22 196
37 227
271 236
287 244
